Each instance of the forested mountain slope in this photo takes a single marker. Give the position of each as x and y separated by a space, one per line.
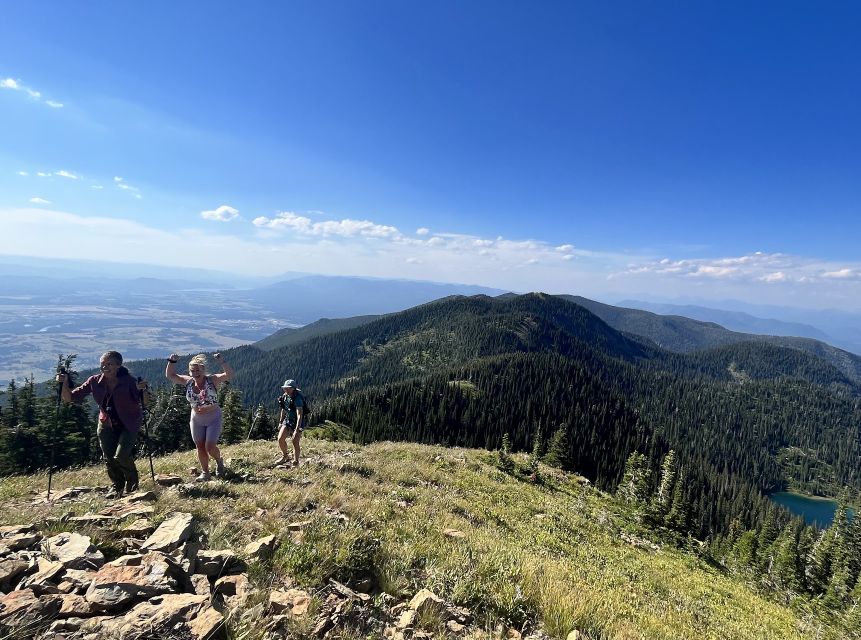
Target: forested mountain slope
469 370
678 333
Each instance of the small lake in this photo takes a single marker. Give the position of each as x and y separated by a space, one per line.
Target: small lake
818 511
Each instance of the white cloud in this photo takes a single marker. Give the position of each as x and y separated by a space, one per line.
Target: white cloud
44 174
422 231
23 173
38 200
842 274
125 186
346 228
565 248
223 213
506 263
96 186
568 256
777 276
66 174
15 84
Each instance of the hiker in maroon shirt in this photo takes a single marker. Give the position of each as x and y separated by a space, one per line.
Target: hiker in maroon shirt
118 395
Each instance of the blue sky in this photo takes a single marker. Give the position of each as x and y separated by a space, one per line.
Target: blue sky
707 149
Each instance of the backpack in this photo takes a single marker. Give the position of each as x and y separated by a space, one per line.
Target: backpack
286 402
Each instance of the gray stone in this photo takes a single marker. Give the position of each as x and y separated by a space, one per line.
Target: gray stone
218 563
260 549
167 479
180 614
74 551
116 586
170 534
24 607
10 570
22 540
200 583
46 578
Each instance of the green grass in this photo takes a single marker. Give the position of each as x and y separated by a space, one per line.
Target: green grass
546 554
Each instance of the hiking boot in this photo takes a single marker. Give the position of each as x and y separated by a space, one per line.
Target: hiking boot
220 471
280 461
131 487
114 492
203 477
295 463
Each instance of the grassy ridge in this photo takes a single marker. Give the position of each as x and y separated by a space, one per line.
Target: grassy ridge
551 554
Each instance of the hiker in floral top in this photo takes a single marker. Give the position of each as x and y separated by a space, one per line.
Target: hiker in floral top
201 391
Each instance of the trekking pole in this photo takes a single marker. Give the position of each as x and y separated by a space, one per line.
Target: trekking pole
145 412
61 371
253 422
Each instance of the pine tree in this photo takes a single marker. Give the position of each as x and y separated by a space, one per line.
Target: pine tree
233 418
634 487
557 449
503 455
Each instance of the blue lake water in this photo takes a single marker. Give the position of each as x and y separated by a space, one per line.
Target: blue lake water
818 511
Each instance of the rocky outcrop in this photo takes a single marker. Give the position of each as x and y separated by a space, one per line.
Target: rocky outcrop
115 586
170 534
73 551
173 615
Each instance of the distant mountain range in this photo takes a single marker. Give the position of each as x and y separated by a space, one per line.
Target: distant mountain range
839 328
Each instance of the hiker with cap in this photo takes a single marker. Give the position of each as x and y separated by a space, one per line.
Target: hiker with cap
118 395
201 391
292 418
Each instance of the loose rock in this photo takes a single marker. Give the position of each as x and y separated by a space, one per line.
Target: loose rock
180 615
115 586
218 563
170 534
260 549
74 551
10 570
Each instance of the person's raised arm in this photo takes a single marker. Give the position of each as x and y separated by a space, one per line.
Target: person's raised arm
226 375
65 393
170 370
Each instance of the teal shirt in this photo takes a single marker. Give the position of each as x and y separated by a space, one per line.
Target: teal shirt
290 405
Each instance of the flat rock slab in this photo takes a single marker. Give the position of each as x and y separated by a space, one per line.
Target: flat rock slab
260 549
23 540
74 551
25 607
141 527
167 479
10 570
75 606
12 529
72 493
181 615
170 534
46 578
294 602
217 563
426 602
93 519
139 496
115 586
120 510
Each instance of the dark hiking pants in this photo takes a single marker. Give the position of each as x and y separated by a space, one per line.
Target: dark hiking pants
118 446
